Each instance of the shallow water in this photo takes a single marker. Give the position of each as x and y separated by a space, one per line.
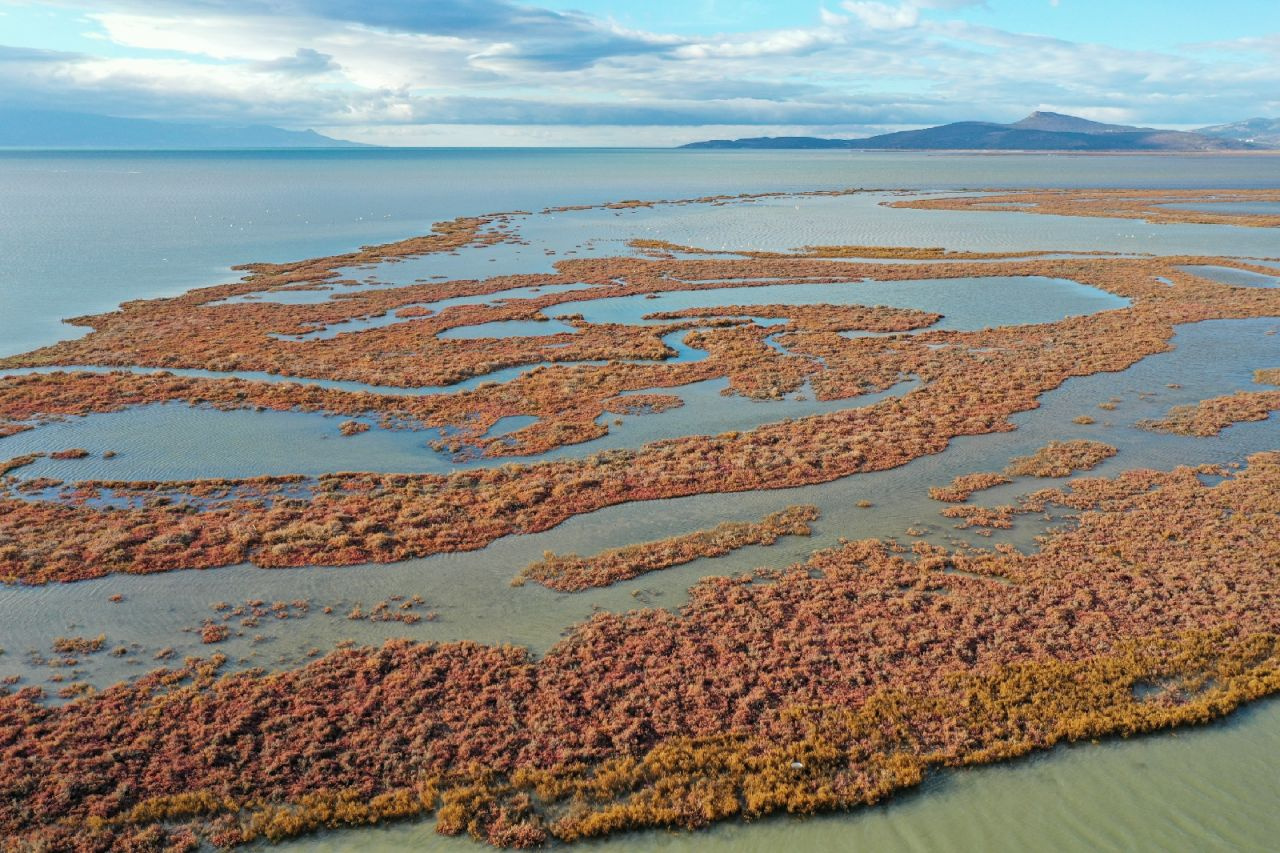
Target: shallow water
508 329
203 442
965 303
1232 208
158 223
863 219
1239 278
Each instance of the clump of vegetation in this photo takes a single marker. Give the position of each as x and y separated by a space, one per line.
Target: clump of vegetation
1211 417
571 573
818 318
18 462
79 645
965 485
642 404
1154 206
1061 459
394 609
214 632
1000 518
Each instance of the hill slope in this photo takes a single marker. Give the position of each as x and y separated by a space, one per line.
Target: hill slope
1261 131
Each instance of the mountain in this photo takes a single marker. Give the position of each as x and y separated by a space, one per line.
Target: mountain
774 142
22 128
1060 123
1040 131
1261 131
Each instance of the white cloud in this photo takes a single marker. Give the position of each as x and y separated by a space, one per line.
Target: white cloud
902 15
884 16
463 63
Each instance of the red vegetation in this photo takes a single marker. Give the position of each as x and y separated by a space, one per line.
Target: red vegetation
352 427
571 573
817 318
1148 205
831 684
394 609
213 632
1056 459
1211 417
642 404
1061 459
969 383
965 485
79 645
989 518
18 462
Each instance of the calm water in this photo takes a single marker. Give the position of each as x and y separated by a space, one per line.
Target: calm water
79 233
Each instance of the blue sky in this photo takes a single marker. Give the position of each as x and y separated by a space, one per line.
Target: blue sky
605 72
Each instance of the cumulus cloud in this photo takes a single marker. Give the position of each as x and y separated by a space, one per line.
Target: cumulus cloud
879 15
857 64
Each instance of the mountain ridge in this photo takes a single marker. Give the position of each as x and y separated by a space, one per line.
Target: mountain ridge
1040 131
28 128
1263 131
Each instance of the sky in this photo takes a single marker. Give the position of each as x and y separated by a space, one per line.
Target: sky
647 72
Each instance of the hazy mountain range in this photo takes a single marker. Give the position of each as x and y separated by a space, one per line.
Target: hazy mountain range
25 128
1260 131
1040 131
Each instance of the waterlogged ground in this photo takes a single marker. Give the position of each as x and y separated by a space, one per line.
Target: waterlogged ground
471 591
468 595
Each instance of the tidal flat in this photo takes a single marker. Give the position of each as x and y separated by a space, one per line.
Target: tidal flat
1036 468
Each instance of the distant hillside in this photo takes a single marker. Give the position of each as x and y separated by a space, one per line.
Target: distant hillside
20 128
1260 131
775 142
1060 123
1039 131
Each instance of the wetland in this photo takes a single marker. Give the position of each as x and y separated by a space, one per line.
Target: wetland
815 492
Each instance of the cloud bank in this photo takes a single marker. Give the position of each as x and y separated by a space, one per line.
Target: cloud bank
378 70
